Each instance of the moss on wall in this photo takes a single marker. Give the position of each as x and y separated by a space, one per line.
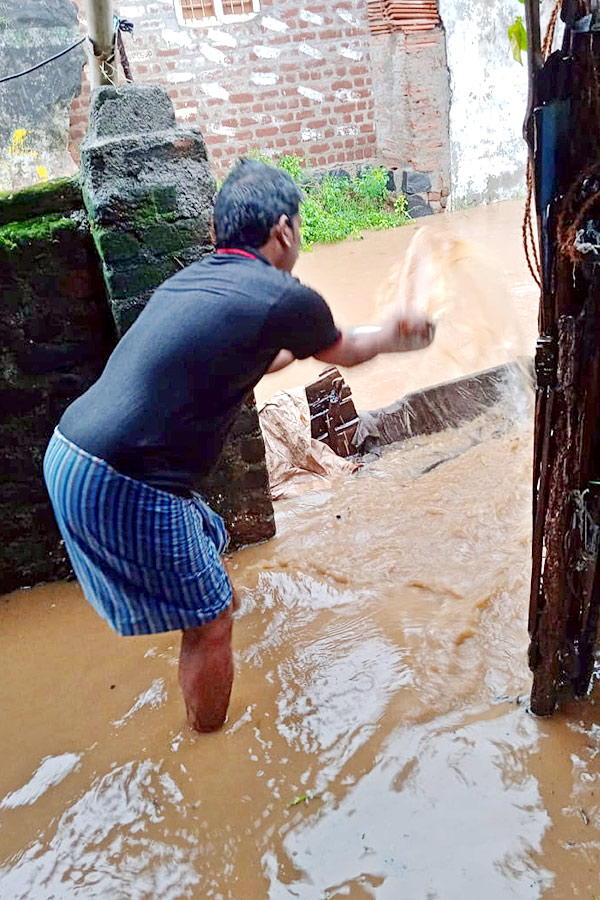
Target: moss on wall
43 228
62 195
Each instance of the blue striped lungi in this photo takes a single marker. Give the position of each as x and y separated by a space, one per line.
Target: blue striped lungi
147 560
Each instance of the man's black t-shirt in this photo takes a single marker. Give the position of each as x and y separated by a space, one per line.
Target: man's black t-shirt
162 408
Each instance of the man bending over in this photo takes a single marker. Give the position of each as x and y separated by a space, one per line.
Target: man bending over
124 461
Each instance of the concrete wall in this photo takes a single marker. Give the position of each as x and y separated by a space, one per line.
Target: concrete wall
488 101
36 107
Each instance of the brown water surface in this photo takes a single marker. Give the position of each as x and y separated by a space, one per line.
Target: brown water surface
378 743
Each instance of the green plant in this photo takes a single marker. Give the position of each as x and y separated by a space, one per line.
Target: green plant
292 165
336 208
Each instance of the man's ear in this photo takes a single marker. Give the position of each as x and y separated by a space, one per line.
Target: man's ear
280 231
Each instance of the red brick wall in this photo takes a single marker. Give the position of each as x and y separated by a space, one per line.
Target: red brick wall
290 81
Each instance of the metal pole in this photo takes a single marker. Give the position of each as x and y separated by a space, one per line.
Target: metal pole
103 68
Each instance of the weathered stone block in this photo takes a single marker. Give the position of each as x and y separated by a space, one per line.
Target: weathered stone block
119 110
415 183
417 207
131 280
36 107
125 312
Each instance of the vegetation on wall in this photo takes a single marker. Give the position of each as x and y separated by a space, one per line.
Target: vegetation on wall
337 206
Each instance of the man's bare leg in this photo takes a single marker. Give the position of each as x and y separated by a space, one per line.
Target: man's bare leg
206 672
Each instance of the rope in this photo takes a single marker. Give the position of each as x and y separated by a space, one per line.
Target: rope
124 61
529 241
44 62
107 60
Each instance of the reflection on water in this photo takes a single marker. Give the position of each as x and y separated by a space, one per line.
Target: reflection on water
395 832
52 771
111 843
378 743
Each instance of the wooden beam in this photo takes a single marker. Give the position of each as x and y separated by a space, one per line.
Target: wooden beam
535 62
101 30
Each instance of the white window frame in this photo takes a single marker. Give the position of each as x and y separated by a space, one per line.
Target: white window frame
219 19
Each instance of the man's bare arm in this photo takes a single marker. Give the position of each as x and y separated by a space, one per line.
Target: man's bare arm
357 345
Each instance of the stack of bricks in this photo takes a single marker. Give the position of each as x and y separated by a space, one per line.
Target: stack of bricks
289 80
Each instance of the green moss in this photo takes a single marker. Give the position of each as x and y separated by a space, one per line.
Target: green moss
44 228
114 245
62 195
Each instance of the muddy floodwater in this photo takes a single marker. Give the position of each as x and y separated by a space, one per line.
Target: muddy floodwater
379 743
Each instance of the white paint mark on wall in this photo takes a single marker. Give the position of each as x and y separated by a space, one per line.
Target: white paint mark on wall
266 52
266 119
221 38
263 78
307 16
214 90
132 12
225 130
273 24
348 17
177 38
179 77
347 129
309 51
351 53
311 93
346 95
212 53
186 113
140 54
311 134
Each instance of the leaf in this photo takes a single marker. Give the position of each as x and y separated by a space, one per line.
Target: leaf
518 39
305 798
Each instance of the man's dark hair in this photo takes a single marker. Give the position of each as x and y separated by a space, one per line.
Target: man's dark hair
252 199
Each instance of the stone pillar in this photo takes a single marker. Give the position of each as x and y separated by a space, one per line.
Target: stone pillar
148 190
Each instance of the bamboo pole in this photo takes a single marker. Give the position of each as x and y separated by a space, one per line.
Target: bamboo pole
103 69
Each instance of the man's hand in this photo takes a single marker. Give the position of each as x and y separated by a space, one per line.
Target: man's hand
403 335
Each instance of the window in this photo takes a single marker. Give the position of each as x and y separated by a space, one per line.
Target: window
387 16
209 12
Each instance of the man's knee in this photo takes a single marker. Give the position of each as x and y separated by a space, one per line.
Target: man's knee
216 632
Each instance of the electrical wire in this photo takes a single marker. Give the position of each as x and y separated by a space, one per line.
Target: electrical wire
44 62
